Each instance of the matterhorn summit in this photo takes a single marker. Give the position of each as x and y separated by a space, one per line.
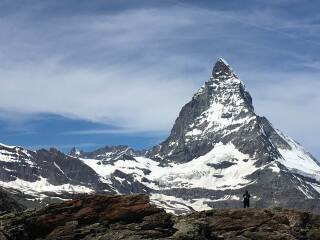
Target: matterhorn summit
218 148
222 68
229 148
220 112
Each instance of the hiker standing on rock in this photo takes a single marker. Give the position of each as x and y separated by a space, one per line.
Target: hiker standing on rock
246 199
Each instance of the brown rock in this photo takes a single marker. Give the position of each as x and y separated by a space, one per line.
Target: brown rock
133 217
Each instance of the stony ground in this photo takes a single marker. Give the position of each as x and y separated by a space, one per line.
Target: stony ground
133 217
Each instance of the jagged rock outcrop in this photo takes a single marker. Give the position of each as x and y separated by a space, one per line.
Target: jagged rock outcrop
133 217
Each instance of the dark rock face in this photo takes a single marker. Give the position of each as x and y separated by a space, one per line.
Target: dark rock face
128 184
133 217
8 203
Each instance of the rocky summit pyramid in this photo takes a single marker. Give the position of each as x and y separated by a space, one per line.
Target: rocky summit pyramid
218 148
220 112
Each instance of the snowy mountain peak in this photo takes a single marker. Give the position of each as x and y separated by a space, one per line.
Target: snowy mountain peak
75 152
222 69
218 109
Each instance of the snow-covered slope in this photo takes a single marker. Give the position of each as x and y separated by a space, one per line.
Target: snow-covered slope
43 173
298 159
205 171
217 148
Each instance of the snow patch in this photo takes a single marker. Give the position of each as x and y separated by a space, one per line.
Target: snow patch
194 132
173 204
42 185
57 166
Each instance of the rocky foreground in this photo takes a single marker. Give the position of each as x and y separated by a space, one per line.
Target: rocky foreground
133 217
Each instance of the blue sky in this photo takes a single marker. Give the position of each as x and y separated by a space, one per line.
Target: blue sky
95 73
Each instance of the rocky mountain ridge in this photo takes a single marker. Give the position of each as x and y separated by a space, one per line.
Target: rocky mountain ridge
46 173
